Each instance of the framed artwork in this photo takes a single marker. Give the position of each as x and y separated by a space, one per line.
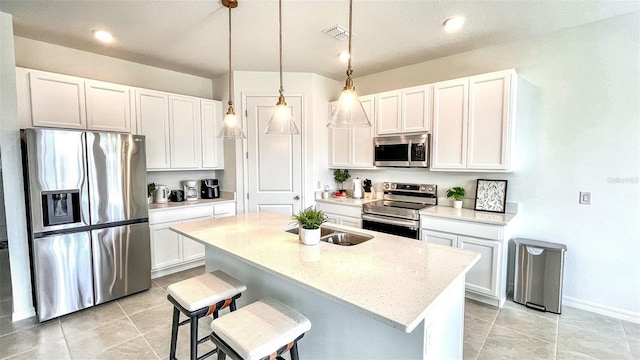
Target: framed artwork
491 195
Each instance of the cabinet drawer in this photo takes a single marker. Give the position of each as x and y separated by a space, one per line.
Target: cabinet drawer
345 210
485 231
180 214
227 209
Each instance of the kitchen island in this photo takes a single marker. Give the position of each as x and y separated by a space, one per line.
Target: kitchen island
386 298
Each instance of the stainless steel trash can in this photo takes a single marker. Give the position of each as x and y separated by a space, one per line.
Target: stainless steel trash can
538 274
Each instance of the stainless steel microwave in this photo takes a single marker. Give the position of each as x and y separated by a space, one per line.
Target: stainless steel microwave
402 151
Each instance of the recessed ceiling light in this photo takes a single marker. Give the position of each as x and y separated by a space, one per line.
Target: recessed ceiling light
344 56
453 23
103 36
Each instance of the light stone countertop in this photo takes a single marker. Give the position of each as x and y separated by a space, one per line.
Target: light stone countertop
391 279
344 201
468 215
184 204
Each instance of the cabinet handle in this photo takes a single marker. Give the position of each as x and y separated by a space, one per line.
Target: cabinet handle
297 197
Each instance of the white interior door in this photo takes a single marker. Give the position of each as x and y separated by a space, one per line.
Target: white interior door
274 161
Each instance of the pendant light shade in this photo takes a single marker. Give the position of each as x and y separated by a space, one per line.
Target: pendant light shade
350 112
230 125
281 121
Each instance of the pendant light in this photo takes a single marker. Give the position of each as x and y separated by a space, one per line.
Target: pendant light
281 121
350 112
230 125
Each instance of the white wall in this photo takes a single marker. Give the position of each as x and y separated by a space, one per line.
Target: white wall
63 60
578 129
3 218
12 185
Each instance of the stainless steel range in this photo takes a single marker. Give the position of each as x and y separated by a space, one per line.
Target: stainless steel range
398 212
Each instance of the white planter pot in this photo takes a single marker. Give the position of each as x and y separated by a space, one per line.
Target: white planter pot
457 204
310 236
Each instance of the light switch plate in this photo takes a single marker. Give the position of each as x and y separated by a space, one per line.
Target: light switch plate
585 197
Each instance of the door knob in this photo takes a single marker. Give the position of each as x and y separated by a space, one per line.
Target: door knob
297 197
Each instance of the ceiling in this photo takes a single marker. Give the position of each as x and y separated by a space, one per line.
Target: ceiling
192 36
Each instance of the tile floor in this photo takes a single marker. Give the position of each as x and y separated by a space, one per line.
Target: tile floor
138 327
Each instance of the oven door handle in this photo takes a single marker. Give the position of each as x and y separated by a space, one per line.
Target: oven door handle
386 220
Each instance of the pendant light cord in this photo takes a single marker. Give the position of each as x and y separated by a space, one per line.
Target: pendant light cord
230 93
280 23
349 71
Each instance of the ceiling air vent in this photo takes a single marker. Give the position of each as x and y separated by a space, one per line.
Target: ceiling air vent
337 32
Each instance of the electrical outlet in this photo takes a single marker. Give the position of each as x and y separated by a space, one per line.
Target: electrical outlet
585 197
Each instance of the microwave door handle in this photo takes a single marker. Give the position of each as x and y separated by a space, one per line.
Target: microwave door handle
410 145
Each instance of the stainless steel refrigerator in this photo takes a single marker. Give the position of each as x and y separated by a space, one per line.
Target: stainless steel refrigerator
86 196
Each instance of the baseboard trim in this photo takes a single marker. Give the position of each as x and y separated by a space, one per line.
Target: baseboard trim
23 314
484 299
177 268
621 314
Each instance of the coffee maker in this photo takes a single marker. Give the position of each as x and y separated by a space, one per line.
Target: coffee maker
190 190
209 189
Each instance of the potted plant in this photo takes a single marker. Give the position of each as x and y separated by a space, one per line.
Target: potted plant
457 193
150 189
309 221
340 176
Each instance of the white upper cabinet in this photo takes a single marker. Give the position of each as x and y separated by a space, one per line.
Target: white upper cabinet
184 132
491 120
362 137
474 122
352 148
57 100
152 118
70 102
211 116
108 106
416 108
339 146
388 111
449 140
404 111
180 131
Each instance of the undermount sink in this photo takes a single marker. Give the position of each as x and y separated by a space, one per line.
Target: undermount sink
338 237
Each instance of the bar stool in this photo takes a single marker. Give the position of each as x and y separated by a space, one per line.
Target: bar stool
264 329
197 297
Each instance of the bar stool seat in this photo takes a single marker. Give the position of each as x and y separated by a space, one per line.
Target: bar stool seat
261 330
201 296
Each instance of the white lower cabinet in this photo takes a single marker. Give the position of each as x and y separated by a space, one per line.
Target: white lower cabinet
171 252
484 276
347 215
486 281
440 238
166 246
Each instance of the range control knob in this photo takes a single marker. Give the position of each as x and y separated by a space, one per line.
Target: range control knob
430 189
423 188
386 186
393 186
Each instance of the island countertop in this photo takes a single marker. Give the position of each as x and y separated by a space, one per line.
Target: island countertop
389 278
